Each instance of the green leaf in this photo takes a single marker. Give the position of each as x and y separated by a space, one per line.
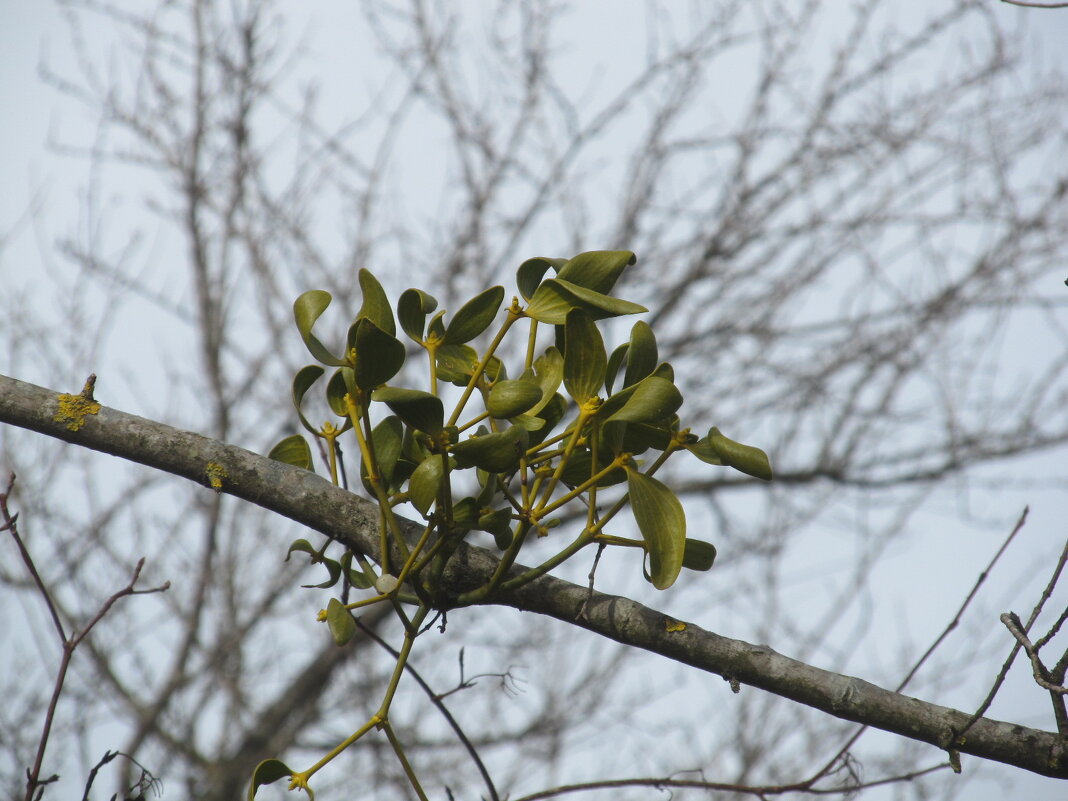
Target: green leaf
302 382
653 399
267 772
555 297
615 361
379 355
375 306
336 388
584 357
746 458
420 410
356 577
464 514
302 546
425 483
578 470
387 438
699 555
333 570
340 621
293 450
549 373
412 308
496 520
530 273
662 523
436 327
641 355
474 316
456 362
597 269
494 453
552 413
704 451
306 310
511 398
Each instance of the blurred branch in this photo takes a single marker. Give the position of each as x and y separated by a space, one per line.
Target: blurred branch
33 780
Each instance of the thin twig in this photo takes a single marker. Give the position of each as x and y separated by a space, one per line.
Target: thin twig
33 781
1016 647
435 699
941 637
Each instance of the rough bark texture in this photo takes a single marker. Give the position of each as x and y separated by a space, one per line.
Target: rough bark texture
314 502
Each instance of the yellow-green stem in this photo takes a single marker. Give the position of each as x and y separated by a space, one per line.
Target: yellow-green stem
399 751
589 484
583 415
513 315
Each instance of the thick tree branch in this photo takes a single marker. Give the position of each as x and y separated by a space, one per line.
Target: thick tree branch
314 502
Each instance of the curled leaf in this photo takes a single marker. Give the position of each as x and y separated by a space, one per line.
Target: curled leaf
267 772
306 310
412 308
699 555
293 450
375 306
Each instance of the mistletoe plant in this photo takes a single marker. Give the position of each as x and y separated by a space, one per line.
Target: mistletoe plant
527 455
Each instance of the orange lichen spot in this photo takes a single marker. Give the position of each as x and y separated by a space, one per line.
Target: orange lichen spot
215 473
72 409
676 625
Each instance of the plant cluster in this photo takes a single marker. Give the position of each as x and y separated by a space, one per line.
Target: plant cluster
513 463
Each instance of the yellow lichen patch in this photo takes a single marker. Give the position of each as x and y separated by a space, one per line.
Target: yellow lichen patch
215 473
676 625
72 409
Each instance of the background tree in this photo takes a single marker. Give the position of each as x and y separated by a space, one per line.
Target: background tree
848 223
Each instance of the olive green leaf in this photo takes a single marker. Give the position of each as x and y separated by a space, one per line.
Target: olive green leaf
301 546
704 451
615 361
746 458
511 398
584 357
549 372
436 327
342 381
637 438
456 363
552 413
420 410
530 273
375 306
474 317
662 523
267 772
379 355
597 269
356 577
302 382
293 450
641 355
387 437
465 514
578 470
340 621
306 310
555 297
494 520
699 555
412 308
425 483
653 399
494 453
